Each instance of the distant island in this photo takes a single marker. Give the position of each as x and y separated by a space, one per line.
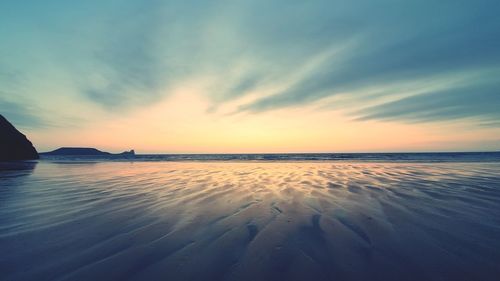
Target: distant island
84 151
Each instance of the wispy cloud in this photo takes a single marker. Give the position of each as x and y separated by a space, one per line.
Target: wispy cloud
129 54
403 44
478 100
125 67
21 115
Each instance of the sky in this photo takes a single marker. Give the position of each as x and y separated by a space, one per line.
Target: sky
253 76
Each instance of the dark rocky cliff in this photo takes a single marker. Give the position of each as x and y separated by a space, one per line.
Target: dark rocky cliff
13 144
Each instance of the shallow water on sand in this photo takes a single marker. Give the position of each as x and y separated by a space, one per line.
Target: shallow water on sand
250 221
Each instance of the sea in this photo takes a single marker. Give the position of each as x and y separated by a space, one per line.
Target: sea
336 216
430 157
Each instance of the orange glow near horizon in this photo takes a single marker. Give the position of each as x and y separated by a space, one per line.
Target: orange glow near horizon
181 124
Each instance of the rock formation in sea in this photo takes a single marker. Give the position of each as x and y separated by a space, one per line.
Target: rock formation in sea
13 144
128 153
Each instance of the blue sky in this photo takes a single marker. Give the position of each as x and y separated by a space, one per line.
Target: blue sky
69 64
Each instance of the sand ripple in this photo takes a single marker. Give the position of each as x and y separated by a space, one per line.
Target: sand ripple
250 221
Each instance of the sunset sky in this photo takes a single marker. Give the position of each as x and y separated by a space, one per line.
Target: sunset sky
253 76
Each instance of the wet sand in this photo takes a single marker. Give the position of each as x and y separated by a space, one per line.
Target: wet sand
250 221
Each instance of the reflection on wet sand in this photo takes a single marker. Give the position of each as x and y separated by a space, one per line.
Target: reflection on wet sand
252 221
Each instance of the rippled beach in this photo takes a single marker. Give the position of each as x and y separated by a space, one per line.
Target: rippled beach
249 221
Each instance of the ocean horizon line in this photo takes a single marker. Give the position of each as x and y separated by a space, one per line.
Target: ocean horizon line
260 153
292 157
292 153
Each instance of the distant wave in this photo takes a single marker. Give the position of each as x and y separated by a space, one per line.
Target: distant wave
361 157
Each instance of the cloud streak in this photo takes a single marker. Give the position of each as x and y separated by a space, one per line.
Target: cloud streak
21 116
394 49
129 54
478 100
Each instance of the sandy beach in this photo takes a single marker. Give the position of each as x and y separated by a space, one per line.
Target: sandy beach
249 140
250 221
